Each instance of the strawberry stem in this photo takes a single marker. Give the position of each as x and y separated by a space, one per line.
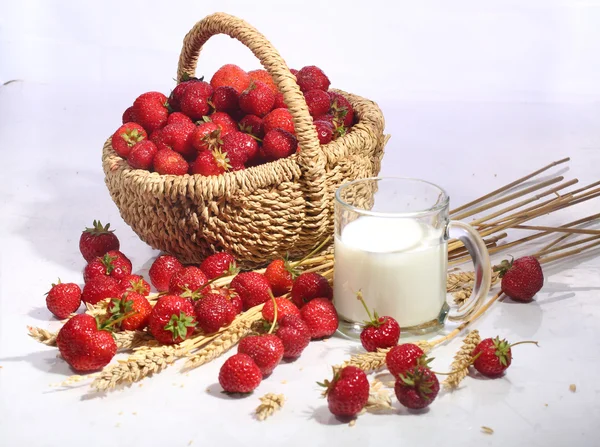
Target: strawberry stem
107 325
523 342
313 252
359 297
274 314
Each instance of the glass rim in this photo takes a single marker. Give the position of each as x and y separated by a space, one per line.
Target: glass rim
441 203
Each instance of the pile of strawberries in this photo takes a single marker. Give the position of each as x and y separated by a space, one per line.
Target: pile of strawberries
189 302
238 120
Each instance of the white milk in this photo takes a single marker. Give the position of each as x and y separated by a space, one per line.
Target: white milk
400 266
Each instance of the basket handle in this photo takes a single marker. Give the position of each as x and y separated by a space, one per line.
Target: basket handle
310 158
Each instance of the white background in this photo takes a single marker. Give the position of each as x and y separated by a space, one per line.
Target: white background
475 94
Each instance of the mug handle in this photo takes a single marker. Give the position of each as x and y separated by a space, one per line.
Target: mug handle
481 260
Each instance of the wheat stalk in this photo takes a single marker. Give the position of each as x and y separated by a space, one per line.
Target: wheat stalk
42 335
269 404
462 360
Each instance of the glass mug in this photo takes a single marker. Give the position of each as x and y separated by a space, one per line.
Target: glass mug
391 243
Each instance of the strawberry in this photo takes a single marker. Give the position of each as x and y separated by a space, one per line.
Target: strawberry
168 162
308 286
279 103
253 288
178 137
224 121
212 162
150 111
135 283
127 136
239 374
294 71
279 119
179 118
521 278
63 299
219 264
187 278
341 109
225 99
231 76
348 391
161 271
132 303
280 275
253 125
128 115
294 334
113 263
97 241
179 90
264 77
232 296
84 345
284 307
312 77
194 100
266 350
142 155
328 118
214 311
279 143
318 102
101 288
240 147
320 317
493 356
172 319
417 388
206 137
403 358
379 332
324 131
257 99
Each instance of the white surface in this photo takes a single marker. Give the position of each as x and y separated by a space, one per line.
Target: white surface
475 94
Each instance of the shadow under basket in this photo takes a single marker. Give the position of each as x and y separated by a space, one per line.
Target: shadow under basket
259 213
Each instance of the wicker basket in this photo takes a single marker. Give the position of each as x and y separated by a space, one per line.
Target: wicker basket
262 212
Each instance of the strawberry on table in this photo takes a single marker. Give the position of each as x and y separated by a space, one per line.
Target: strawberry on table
252 287
101 288
308 286
187 278
348 392
135 283
161 271
172 319
133 304
284 307
113 263
279 119
142 155
521 278
257 99
97 240
239 374
279 143
266 350
219 264
403 358
294 334
312 77
321 317
231 75
379 332
150 111
214 311
493 356
168 162
127 136
280 275
418 388
63 299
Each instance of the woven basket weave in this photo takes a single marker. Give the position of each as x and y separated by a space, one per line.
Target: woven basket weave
259 213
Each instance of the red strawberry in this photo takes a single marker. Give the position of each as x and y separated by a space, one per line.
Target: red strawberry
266 350
127 136
214 311
179 90
379 332
284 307
135 283
172 320
224 121
212 162
240 147
101 288
348 392
341 109
311 77
178 137
257 99
403 358
279 103
417 388
83 345
324 131
493 356
318 102
280 275
521 278
308 286
225 99
63 299
219 264
264 77
128 115
206 137
231 76
194 100
113 263
253 125
253 288
278 144
142 155
150 111
187 278
294 334
239 374
131 303
97 241
320 317
328 118
294 71
161 271
179 118
279 119
168 162
232 296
